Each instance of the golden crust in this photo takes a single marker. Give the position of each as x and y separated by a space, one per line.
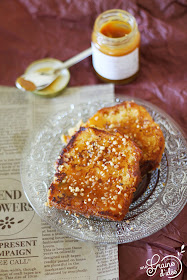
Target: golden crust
133 120
96 174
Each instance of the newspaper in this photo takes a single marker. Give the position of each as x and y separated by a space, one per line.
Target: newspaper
30 248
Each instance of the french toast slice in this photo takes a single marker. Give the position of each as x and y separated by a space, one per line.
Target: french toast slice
133 120
96 174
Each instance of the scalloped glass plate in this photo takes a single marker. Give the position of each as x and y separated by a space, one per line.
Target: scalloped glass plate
157 201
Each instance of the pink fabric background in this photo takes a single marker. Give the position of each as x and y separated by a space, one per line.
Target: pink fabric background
34 29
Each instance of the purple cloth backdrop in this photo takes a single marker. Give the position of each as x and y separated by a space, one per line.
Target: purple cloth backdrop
35 29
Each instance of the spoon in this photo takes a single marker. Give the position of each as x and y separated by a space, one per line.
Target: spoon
40 80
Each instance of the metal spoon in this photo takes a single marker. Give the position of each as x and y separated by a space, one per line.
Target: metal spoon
41 80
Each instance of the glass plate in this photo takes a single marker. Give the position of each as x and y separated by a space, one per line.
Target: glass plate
157 201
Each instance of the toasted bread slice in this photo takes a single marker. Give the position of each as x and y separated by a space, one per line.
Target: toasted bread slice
133 120
96 174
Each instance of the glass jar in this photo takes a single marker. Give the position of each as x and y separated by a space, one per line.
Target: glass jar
115 46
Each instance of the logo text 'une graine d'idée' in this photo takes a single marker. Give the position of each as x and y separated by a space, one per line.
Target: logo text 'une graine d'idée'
170 266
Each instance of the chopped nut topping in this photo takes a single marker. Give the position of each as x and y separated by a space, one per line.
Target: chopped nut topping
60 168
102 148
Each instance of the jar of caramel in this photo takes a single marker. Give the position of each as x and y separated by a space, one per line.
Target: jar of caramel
115 47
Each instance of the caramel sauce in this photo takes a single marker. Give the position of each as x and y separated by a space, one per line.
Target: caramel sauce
27 85
115 29
116 34
44 69
52 87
